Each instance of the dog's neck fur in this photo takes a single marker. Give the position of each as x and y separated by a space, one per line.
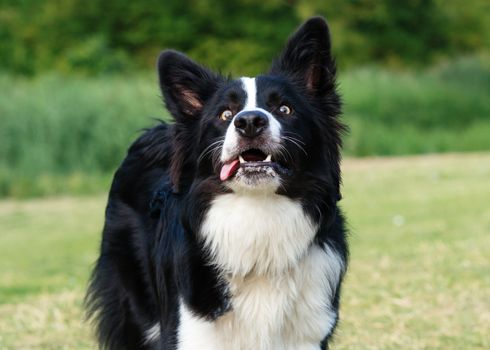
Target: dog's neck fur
260 233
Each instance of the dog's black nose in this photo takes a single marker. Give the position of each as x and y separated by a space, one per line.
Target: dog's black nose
251 123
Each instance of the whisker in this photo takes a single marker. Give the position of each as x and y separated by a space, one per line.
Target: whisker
211 148
295 142
295 138
283 152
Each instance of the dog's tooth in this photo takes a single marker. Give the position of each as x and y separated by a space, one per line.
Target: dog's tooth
269 158
241 159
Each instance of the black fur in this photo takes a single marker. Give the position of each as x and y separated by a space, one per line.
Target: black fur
151 254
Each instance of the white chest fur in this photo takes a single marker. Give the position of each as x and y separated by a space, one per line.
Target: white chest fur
281 285
263 233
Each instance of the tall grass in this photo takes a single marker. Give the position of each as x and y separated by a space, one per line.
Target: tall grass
60 134
53 128
445 108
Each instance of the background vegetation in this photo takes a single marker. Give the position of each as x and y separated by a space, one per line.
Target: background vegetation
235 36
68 135
78 82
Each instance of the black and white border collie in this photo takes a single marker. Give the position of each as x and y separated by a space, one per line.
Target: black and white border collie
222 229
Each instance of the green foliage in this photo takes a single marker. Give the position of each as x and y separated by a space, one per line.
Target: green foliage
59 135
53 126
403 33
442 109
104 36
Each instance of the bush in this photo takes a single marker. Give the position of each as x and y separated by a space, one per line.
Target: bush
101 36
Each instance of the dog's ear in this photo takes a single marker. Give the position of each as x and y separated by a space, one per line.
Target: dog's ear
307 58
185 85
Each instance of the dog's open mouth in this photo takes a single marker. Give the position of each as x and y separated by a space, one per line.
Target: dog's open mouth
250 161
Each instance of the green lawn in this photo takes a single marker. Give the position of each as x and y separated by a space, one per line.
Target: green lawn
420 260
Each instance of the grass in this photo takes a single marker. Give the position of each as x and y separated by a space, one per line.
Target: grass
441 109
46 249
54 127
418 277
419 271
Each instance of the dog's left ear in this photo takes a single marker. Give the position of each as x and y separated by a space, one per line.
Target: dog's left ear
186 85
307 58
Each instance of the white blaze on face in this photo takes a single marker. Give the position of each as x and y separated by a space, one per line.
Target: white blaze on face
230 145
250 88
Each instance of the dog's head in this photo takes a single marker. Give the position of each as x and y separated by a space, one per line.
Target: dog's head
276 132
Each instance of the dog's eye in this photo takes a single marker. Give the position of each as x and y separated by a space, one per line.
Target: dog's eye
226 114
285 109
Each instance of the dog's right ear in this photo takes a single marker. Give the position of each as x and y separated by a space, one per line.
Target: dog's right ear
185 85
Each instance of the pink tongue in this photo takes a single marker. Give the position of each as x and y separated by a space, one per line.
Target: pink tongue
228 169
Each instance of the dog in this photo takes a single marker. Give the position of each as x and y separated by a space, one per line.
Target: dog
222 229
